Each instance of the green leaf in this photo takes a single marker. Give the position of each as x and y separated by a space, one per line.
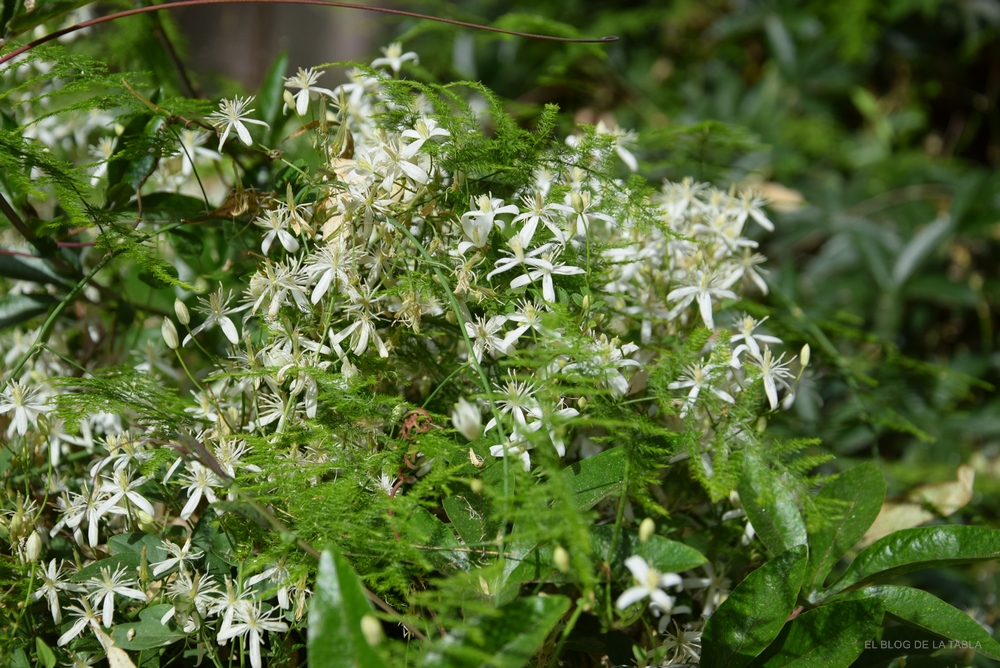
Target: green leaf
771 507
917 549
665 555
335 636
33 269
19 659
45 11
148 633
929 613
849 504
515 634
270 98
45 654
423 528
15 309
831 636
132 543
120 167
472 516
596 478
754 613
127 560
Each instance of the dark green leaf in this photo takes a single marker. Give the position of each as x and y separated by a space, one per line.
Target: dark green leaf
663 554
15 309
754 613
423 528
514 635
270 98
597 477
126 560
472 516
771 507
33 269
926 611
831 636
917 549
335 636
19 659
45 654
149 633
188 244
171 207
45 11
132 543
849 505
119 168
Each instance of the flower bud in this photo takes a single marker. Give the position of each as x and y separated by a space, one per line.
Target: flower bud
476 486
646 529
169 333
371 628
33 550
804 356
181 309
467 420
43 425
561 559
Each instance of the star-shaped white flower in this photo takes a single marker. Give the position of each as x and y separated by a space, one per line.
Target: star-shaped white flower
232 114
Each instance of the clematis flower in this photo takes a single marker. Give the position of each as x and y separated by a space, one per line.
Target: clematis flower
305 81
232 114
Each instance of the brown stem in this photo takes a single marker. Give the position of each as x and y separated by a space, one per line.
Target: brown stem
322 3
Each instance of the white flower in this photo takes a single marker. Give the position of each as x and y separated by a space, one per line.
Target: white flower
24 402
52 584
200 481
85 615
232 114
772 372
423 130
275 222
467 419
648 582
545 268
484 335
394 58
304 80
107 586
478 223
698 377
251 624
704 287
517 446
751 341
217 312
123 488
181 555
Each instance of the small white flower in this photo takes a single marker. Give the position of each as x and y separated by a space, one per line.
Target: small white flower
232 114
107 586
217 312
394 57
304 80
24 402
251 624
467 419
649 582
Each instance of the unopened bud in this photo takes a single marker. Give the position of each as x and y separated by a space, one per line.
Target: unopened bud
467 419
169 334
646 529
33 549
371 628
476 486
761 424
43 425
804 356
561 559
181 309
145 521
289 99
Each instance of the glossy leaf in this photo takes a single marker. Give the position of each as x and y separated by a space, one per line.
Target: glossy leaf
754 613
667 556
851 503
15 309
917 549
927 612
127 560
45 11
338 604
831 636
771 507
515 633
595 478
46 656
33 269
148 633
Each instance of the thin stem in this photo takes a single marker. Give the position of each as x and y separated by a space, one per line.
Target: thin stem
322 3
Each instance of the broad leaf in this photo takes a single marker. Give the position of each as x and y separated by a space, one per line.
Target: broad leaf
929 613
771 507
754 613
44 12
667 556
46 656
338 605
597 477
421 528
831 636
147 633
851 503
33 269
512 636
917 549
15 309
127 560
